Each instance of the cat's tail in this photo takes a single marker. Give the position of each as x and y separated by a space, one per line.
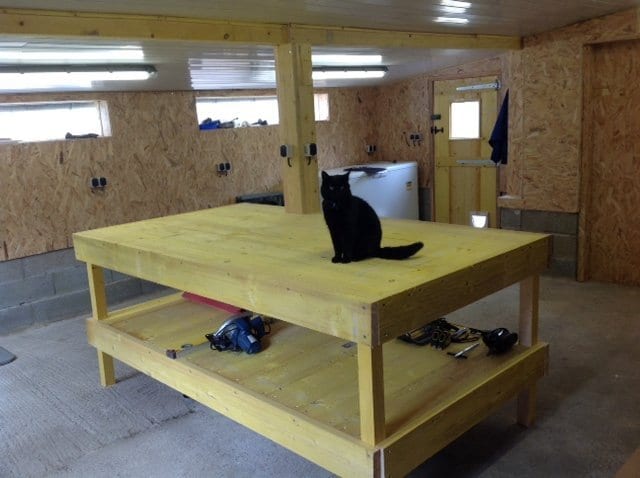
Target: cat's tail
399 252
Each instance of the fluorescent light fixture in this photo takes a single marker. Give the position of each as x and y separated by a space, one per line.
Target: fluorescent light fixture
74 54
454 10
456 20
32 77
349 72
322 59
455 3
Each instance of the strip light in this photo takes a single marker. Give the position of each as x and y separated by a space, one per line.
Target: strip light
349 73
456 20
86 54
455 4
353 60
33 77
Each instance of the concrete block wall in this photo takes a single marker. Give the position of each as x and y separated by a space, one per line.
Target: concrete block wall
563 228
424 203
39 289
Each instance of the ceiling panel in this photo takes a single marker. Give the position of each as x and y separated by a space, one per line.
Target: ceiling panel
502 17
241 66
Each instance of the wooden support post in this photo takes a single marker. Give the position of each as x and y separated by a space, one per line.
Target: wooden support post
371 394
297 127
528 335
99 308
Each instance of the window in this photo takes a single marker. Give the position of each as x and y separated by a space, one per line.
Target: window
45 121
465 120
251 110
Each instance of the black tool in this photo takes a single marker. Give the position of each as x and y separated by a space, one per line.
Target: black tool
499 340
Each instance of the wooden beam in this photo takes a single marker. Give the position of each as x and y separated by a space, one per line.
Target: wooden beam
154 27
528 335
363 37
146 27
297 127
99 307
371 394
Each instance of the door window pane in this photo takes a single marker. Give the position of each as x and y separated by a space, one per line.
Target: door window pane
465 120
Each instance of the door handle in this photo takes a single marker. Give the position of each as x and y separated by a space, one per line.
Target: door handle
436 130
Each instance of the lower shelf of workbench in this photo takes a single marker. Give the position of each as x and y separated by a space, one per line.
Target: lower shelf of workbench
302 391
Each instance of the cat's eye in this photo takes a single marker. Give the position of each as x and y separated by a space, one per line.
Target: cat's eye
330 188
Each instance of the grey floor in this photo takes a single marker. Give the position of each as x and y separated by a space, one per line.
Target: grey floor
56 420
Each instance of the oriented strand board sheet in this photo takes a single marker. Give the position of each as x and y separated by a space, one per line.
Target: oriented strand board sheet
156 163
262 259
546 111
613 223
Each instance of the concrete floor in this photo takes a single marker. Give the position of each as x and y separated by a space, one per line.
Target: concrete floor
56 420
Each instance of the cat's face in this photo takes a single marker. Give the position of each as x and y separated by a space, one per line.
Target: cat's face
335 188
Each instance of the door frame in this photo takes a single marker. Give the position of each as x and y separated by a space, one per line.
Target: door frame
473 78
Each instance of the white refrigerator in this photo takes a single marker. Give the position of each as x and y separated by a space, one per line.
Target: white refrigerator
390 188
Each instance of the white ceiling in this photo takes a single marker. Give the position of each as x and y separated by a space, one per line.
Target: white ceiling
244 66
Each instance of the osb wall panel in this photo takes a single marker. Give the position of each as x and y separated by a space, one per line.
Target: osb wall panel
404 108
513 77
156 163
45 193
548 102
352 125
614 193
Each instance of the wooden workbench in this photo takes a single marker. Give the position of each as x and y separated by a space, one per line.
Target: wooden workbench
333 383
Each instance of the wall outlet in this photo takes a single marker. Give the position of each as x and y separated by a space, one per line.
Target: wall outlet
98 183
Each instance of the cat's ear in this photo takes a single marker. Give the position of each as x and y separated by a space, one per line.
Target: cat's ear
324 175
346 176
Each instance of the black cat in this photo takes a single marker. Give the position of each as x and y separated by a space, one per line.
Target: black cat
354 225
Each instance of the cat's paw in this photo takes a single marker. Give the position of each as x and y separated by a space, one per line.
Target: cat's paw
336 259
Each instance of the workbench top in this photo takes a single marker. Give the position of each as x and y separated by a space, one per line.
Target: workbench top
262 259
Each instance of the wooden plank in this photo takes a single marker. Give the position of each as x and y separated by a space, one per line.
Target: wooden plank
465 193
345 36
489 193
297 126
442 193
586 164
104 25
371 393
337 452
433 430
631 468
98 296
147 307
528 336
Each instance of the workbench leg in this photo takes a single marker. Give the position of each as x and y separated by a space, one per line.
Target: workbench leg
528 335
99 308
371 394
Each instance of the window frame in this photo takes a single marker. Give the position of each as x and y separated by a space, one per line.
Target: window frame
321 105
35 107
